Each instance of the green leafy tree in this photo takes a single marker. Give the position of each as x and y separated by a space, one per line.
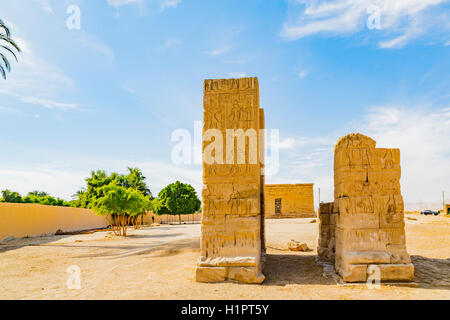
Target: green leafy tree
33 197
6 45
44 198
135 180
38 193
123 203
177 199
10 196
94 183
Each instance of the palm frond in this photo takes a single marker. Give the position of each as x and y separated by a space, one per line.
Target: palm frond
2 72
7 64
10 41
12 52
4 27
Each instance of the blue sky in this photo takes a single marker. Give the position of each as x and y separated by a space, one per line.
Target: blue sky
110 94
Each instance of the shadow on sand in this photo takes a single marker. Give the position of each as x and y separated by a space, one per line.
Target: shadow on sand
431 273
29 241
284 269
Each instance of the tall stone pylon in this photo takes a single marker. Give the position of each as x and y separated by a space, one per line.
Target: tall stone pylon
370 229
232 239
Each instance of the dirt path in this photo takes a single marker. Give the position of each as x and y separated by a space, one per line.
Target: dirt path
159 263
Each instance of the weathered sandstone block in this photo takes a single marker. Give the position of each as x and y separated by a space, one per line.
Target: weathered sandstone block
370 227
327 225
232 240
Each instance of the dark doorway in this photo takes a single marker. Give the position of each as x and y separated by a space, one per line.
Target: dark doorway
278 206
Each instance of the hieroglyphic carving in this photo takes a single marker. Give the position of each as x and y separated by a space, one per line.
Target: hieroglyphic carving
232 230
370 227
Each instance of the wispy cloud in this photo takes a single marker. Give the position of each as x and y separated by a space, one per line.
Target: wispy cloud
64 177
50 104
165 4
400 20
37 78
421 133
302 74
423 136
219 51
286 143
96 45
119 3
15 112
171 42
237 74
45 5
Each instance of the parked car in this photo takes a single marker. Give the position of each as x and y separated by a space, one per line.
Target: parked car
427 212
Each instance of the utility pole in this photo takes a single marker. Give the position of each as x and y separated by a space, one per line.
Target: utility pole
443 201
319 197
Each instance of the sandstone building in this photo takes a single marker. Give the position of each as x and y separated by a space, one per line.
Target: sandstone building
289 200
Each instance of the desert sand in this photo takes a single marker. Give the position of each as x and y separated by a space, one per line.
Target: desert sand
159 263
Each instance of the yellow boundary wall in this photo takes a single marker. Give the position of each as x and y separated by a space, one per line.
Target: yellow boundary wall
24 219
185 218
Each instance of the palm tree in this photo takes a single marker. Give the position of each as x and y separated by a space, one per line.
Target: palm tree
5 36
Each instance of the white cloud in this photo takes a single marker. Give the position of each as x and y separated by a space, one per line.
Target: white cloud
405 20
286 143
165 4
33 76
45 5
172 42
218 52
394 43
50 104
423 136
237 74
119 3
306 160
57 181
64 177
12 111
96 45
302 74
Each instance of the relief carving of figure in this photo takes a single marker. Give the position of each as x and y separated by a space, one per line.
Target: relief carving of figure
387 160
234 200
391 215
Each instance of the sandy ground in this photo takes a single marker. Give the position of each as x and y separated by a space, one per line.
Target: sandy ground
159 263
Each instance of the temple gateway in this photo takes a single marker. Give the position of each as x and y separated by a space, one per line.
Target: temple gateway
362 233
